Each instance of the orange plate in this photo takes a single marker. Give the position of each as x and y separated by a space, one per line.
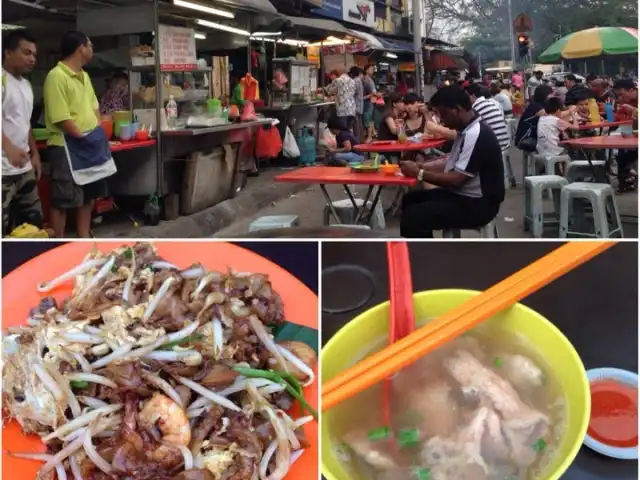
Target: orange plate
20 295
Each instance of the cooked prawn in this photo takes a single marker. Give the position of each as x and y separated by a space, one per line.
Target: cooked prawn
171 419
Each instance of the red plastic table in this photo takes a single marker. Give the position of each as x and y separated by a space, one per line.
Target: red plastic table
116 146
344 176
603 125
603 142
408 146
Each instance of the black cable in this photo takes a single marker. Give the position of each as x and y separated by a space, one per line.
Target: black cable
368 275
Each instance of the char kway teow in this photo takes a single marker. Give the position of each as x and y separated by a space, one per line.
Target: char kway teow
148 371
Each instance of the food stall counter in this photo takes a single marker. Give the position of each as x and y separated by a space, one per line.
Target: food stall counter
180 132
116 146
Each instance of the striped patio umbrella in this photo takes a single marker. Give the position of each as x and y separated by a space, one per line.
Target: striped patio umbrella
592 42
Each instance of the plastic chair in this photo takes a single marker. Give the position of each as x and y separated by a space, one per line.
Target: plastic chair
581 171
606 217
509 177
535 218
347 213
490 230
271 222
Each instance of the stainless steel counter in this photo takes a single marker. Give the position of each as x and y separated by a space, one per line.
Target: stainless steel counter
189 132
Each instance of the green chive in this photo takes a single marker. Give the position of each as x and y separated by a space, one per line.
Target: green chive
190 339
114 269
128 253
498 361
421 473
377 434
298 396
79 384
290 383
408 437
540 445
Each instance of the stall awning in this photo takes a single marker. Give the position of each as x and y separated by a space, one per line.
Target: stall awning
383 44
263 6
397 46
327 26
442 61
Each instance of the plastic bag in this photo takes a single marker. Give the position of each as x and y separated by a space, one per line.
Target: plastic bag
290 147
248 112
268 142
329 139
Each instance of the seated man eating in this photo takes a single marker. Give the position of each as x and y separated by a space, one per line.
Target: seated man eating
470 180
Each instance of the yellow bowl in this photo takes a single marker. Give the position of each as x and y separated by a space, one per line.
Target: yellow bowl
366 329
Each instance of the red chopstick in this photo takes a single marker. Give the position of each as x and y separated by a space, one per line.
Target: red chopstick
402 319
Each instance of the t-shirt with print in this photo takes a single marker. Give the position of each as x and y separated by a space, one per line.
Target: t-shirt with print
476 153
345 136
549 130
359 96
491 114
344 87
17 107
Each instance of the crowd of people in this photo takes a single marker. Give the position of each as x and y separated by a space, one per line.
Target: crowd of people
465 188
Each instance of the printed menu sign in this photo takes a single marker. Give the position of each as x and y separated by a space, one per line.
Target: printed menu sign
177 48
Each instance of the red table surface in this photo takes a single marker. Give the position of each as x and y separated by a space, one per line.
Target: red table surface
342 176
408 146
604 142
116 147
590 126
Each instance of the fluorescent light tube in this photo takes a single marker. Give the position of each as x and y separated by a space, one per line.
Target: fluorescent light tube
220 26
200 36
266 34
390 55
203 8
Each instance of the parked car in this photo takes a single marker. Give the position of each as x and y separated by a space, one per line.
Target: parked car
559 77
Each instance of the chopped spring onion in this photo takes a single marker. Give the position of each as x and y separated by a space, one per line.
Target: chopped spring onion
377 434
408 437
498 361
128 253
79 384
290 383
190 339
421 473
540 445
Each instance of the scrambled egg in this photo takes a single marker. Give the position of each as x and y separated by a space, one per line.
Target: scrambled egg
217 458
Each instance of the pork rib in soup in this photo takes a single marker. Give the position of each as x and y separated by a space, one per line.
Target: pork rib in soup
478 408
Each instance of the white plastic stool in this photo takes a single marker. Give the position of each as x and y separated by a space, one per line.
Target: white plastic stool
490 230
550 161
271 222
581 171
347 213
534 214
509 177
603 203
528 165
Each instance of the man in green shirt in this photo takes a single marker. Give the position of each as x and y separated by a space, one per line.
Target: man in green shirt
72 109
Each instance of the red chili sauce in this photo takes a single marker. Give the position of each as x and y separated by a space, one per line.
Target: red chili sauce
614 413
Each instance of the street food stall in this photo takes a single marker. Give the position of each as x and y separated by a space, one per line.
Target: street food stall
189 158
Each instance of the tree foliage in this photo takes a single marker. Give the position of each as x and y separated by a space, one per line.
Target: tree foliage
483 25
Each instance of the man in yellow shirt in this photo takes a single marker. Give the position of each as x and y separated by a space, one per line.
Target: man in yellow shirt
72 109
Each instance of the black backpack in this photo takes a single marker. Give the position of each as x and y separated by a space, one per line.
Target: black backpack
528 139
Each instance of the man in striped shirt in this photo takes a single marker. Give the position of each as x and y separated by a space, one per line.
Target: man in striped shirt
490 113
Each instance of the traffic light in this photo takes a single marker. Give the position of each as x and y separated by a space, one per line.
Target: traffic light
523 45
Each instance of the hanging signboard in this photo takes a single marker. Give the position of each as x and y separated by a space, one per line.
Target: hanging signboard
177 48
360 12
330 8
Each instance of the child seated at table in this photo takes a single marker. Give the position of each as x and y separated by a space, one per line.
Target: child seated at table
552 128
343 154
